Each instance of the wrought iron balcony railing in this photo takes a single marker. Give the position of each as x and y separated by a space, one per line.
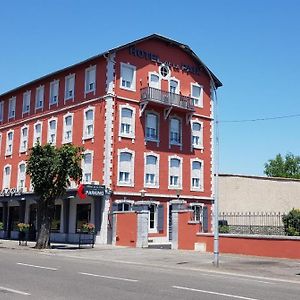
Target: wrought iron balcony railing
167 98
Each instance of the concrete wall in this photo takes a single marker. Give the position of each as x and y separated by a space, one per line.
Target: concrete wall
254 194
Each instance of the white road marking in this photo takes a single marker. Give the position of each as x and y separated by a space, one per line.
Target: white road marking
14 291
212 293
109 277
39 267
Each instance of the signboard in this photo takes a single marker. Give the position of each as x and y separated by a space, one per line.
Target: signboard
94 190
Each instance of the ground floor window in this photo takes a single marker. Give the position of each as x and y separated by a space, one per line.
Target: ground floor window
83 215
197 213
55 225
124 206
152 216
14 217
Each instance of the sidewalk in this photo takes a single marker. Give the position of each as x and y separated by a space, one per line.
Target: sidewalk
235 265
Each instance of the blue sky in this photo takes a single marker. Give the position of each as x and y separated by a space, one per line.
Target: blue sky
252 46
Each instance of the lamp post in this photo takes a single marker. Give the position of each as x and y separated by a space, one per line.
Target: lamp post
143 193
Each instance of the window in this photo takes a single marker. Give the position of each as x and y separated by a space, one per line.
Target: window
88 128
83 215
68 128
52 124
151 170
12 108
197 94
175 131
127 123
54 85
69 87
1 110
174 86
90 79
24 139
126 170
124 206
6 177
21 176
196 175
37 133
154 81
87 167
197 134
128 75
175 171
9 142
55 224
164 70
197 212
39 97
153 217
26 102
151 127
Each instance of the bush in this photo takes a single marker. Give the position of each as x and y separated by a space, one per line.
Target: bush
291 222
1 226
224 229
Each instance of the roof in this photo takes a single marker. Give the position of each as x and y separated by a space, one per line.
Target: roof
260 177
184 47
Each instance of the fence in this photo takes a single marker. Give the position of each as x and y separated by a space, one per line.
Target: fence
265 223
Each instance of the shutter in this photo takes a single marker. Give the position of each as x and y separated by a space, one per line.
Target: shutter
160 217
205 219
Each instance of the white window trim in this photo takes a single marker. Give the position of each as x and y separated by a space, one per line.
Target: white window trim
86 170
22 139
52 83
131 183
86 91
7 153
201 134
180 172
156 185
180 132
64 140
19 176
149 79
40 88
85 136
34 132
200 205
23 104
131 135
66 97
201 188
178 85
12 100
200 99
49 133
169 73
133 88
158 126
9 180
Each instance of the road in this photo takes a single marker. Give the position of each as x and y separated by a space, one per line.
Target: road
40 275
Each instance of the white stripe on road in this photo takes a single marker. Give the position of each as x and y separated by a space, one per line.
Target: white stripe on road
39 267
14 291
212 293
109 277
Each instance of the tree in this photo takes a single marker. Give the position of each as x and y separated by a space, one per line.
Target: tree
291 222
50 170
288 167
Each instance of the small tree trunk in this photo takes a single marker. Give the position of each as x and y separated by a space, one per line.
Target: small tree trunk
45 208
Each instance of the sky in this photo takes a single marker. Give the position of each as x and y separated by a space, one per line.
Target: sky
253 47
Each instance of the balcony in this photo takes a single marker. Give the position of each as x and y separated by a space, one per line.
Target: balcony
167 99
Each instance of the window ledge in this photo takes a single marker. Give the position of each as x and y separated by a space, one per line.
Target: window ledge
127 89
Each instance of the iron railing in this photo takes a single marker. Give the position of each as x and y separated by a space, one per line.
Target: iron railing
171 99
265 223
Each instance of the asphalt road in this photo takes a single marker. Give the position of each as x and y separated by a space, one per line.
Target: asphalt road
37 275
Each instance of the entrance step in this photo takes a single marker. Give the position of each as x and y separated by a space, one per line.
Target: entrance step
160 246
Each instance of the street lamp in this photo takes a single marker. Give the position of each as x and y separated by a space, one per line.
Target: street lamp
143 193
178 192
